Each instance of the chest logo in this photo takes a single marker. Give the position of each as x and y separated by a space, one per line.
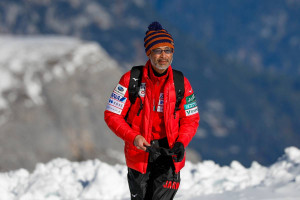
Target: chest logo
160 106
142 91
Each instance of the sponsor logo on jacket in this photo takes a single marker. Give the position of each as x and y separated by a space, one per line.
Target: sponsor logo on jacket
117 100
190 98
120 89
191 106
142 91
160 106
118 97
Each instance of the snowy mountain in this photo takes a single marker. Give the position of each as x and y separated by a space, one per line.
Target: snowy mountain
94 179
53 93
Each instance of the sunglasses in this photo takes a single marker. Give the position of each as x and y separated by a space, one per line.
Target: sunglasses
159 51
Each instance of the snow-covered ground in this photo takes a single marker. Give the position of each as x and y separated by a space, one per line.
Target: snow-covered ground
93 179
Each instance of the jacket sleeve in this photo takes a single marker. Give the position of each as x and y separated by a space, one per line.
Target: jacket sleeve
117 108
189 116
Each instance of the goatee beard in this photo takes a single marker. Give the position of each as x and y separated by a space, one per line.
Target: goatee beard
158 66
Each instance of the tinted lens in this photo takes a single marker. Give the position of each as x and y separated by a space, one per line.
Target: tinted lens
159 51
168 51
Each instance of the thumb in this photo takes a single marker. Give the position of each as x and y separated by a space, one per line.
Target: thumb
146 143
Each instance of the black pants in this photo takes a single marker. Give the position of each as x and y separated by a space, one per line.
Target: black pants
159 183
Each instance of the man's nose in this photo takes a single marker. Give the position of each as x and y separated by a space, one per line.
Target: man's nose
163 54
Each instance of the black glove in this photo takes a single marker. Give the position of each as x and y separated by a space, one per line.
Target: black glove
155 152
178 151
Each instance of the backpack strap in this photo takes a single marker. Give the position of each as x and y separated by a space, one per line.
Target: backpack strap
134 85
135 82
179 88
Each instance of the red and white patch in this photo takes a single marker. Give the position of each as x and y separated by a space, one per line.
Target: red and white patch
142 91
160 106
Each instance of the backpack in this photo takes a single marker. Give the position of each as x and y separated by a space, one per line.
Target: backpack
135 82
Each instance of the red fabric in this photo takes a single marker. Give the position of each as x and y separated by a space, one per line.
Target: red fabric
158 127
145 122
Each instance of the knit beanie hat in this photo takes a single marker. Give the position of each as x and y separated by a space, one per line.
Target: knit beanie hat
156 37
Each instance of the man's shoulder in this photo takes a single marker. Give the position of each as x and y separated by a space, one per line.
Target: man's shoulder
181 74
175 70
127 75
125 79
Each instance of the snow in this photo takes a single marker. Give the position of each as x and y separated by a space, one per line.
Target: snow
93 179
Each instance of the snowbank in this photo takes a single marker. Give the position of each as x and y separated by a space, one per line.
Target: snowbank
93 179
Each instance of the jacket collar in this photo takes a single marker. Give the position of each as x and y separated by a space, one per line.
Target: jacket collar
148 72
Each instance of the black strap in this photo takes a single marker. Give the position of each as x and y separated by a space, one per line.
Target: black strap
134 86
135 82
179 87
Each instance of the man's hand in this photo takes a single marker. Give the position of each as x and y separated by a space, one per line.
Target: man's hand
178 150
140 142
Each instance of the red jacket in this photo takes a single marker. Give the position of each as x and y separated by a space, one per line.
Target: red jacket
158 125
180 127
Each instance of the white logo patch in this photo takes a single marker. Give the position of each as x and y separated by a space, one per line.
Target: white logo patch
113 109
191 111
161 96
120 98
120 89
116 103
142 91
160 106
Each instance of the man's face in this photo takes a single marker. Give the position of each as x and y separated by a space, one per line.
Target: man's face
161 58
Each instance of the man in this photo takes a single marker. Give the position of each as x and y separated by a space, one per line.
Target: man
154 131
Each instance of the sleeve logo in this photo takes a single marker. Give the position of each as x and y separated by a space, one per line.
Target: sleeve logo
117 100
191 106
116 103
118 97
190 98
120 89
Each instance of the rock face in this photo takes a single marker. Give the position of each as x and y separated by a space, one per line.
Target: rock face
53 92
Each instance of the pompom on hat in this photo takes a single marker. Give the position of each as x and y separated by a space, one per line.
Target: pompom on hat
156 37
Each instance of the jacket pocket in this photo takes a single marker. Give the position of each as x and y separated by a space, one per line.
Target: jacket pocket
134 154
136 123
